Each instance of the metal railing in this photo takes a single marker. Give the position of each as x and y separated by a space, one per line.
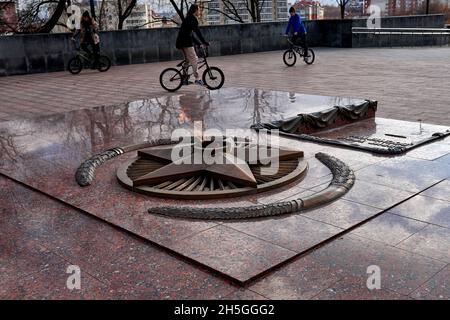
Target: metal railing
383 37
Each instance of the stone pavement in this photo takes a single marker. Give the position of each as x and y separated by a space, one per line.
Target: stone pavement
409 242
409 83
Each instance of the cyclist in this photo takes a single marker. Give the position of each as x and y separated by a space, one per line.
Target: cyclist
296 23
186 39
89 36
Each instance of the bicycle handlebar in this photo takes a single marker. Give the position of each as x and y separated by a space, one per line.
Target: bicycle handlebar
75 43
204 50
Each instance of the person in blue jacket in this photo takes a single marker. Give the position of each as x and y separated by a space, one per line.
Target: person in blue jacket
296 23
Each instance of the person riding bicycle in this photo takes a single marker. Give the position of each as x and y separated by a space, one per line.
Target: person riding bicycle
186 39
296 23
89 36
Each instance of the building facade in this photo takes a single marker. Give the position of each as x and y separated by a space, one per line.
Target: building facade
309 10
402 7
220 12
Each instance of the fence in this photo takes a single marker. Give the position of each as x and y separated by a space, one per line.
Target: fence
399 37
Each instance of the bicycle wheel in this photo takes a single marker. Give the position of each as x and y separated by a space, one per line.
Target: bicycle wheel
171 79
289 57
104 63
310 58
213 78
75 65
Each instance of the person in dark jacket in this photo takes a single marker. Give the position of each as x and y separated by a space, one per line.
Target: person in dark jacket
296 23
186 39
89 36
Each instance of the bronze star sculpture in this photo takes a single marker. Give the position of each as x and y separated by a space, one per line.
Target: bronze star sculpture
233 164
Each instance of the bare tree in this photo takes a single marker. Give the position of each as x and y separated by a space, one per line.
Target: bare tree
33 18
124 9
8 148
254 8
51 23
233 9
342 4
180 6
102 15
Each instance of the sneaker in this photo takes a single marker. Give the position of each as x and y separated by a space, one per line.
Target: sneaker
199 82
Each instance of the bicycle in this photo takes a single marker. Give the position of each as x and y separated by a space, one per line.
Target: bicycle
82 58
290 58
171 79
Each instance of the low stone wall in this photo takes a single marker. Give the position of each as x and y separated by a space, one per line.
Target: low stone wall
360 40
21 54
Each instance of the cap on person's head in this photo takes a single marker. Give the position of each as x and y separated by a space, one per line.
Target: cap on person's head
291 9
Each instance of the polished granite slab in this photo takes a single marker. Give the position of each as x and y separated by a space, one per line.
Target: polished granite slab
44 152
385 136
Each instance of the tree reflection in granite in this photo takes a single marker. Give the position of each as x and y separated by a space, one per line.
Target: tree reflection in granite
69 138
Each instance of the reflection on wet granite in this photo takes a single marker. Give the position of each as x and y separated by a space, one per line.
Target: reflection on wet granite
409 174
355 288
342 213
432 241
294 232
301 279
425 209
374 195
402 271
439 191
389 228
71 137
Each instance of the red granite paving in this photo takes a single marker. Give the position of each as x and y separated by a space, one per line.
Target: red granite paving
426 209
389 228
440 191
389 75
438 287
401 271
49 148
114 265
409 244
432 241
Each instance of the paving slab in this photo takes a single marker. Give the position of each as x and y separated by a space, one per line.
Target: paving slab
432 241
425 209
46 151
47 158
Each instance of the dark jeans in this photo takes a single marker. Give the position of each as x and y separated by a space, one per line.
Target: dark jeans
300 39
95 47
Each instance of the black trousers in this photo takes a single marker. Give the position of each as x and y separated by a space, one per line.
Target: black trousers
300 39
95 47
